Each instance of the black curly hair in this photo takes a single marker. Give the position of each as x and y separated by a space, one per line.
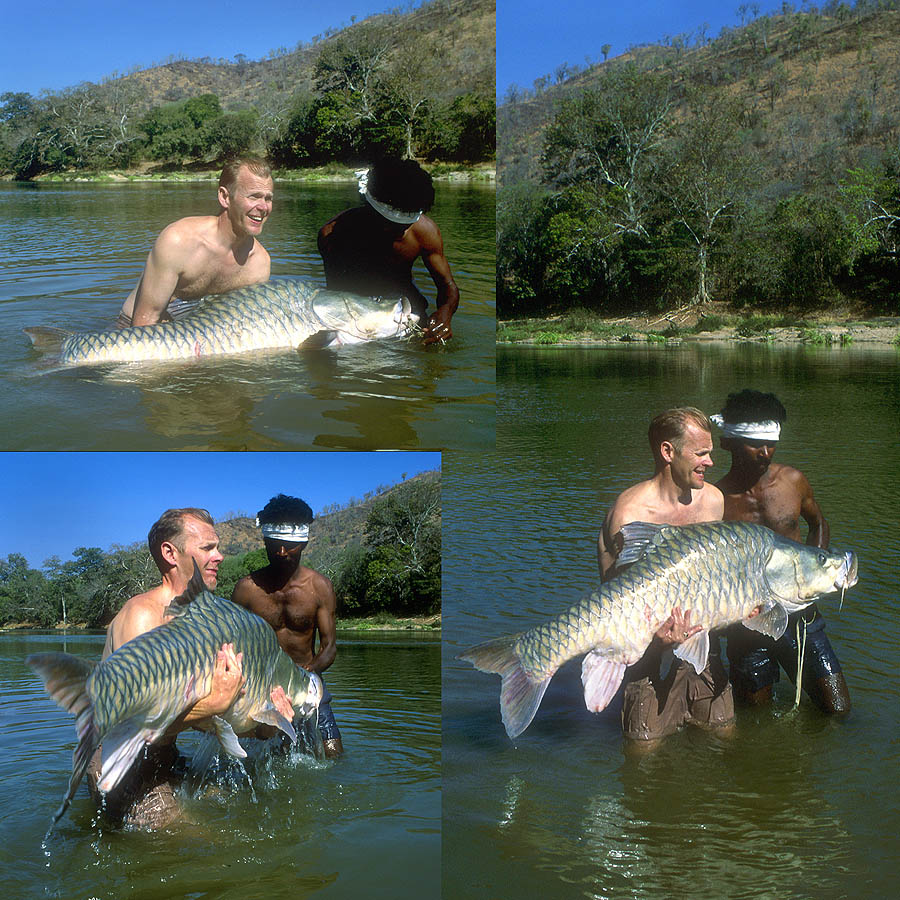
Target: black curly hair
282 509
753 406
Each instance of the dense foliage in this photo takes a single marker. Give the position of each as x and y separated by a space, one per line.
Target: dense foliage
394 83
758 168
393 565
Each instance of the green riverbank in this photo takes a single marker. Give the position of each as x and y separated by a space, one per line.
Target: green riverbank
333 172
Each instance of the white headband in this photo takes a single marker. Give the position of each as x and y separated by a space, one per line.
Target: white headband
391 213
294 534
753 431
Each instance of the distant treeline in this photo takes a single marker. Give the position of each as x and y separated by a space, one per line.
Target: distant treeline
393 567
733 170
376 89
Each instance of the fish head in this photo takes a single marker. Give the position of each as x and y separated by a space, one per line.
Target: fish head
798 574
352 319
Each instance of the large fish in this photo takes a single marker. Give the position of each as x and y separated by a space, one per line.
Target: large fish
720 571
128 700
278 314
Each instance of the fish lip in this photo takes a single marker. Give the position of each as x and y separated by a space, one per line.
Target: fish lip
847 576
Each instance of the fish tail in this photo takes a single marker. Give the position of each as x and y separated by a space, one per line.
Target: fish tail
520 694
65 680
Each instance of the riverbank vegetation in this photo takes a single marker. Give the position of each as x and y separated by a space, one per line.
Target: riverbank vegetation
382 552
415 83
760 168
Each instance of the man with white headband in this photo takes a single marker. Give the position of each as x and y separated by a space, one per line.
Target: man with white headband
370 249
677 494
295 600
777 496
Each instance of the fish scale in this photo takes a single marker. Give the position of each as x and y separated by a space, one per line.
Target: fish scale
128 700
721 571
283 313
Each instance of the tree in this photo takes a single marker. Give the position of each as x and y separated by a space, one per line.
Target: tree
606 139
413 79
703 174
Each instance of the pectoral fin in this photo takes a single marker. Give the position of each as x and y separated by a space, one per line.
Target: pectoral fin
121 746
601 678
695 650
270 716
771 621
227 738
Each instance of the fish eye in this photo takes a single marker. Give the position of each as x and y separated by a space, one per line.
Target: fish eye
822 559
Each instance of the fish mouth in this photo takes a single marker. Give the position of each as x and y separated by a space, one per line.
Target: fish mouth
847 576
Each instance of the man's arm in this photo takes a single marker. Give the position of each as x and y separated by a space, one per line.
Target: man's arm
819 532
159 280
325 624
432 244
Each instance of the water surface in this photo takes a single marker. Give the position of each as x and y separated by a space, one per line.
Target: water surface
797 805
366 825
74 251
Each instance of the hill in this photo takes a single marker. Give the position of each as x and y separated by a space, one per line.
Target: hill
418 83
759 167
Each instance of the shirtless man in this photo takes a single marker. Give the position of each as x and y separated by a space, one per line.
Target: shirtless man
145 796
201 255
370 249
777 496
677 494
295 600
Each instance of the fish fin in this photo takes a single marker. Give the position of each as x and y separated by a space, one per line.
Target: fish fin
271 716
601 678
772 621
195 587
45 338
65 679
520 695
695 650
638 538
227 738
122 744
320 339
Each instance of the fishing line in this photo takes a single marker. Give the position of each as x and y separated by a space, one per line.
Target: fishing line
801 653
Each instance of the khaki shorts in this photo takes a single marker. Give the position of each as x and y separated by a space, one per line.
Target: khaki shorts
656 710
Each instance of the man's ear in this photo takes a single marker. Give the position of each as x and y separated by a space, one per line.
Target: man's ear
667 451
224 198
169 552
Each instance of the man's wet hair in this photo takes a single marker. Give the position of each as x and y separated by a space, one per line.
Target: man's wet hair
229 176
169 528
672 425
284 510
401 183
753 406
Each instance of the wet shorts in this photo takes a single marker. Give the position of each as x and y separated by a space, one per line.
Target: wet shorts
145 796
328 727
653 710
754 658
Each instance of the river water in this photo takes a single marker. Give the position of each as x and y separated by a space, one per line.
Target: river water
796 805
74 251
366 825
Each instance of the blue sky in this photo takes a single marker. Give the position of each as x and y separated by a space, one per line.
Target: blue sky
55 44
534 36
52 503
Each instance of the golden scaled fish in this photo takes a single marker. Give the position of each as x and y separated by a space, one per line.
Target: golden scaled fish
720 571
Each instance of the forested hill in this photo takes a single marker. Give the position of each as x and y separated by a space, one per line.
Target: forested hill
817 89
759 166
382 551
417 82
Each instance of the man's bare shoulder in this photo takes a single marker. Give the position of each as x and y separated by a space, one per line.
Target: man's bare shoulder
190 229
631 505
427 234
711 503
